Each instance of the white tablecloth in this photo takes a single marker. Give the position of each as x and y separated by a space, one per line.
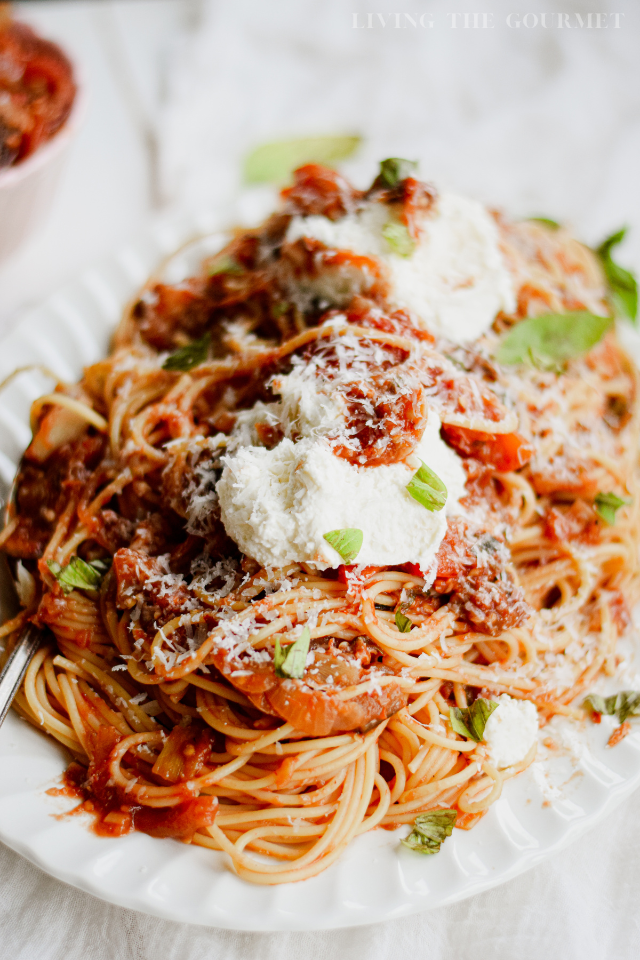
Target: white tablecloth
582 905
532 118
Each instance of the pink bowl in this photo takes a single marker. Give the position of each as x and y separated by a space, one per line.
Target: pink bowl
27 190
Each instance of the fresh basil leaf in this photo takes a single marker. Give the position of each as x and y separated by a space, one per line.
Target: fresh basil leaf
458 725
394 169
546 222
225 265
78 574
347 542
186 358
403 623
552 338
279 309
273 162
430 830
623 286
428 489
543 363
594 703
625 704
291 661
470 721
398 238
607 505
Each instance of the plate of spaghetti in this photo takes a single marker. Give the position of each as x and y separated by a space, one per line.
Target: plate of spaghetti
332 536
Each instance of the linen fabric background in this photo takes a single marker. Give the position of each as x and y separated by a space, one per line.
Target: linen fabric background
535 120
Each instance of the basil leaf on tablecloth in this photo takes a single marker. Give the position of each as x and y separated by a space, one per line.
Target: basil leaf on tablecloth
273 162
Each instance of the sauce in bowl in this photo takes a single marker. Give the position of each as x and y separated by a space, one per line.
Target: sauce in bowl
37 91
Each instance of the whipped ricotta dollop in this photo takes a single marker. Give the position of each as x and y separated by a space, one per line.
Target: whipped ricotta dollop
511 730
277 504
456 279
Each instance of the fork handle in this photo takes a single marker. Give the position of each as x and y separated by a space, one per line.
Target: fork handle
16 666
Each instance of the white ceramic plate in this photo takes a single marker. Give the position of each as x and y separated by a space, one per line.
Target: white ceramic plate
569 791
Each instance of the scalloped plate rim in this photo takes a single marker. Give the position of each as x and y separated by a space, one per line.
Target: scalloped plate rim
527 862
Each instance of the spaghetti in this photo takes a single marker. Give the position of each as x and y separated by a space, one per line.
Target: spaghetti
159 677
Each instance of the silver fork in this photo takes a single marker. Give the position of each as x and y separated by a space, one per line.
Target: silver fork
29 640
16 666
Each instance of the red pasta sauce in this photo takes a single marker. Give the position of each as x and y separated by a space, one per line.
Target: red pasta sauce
37 91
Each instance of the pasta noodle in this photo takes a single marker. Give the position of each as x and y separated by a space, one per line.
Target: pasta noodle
159 679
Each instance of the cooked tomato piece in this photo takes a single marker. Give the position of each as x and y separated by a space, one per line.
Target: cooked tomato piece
385 420
566 474
411 196
578 522
619 734
170 310
180 822
321 191
473 569
417 198
503 451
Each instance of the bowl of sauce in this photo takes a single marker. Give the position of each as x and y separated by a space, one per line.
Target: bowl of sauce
39 114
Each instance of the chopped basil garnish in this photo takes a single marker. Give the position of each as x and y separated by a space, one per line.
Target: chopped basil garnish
623 287
398 238
607 505
279 309
291 661
430 830
403 623
551 339
546 221
186 358
225 265
347 542
79 574
428 489
395 169
625 704
470 721
273 162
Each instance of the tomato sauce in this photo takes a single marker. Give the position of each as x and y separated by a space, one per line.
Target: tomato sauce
363 312
471 570
116 814
37 91
385 421
319 191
